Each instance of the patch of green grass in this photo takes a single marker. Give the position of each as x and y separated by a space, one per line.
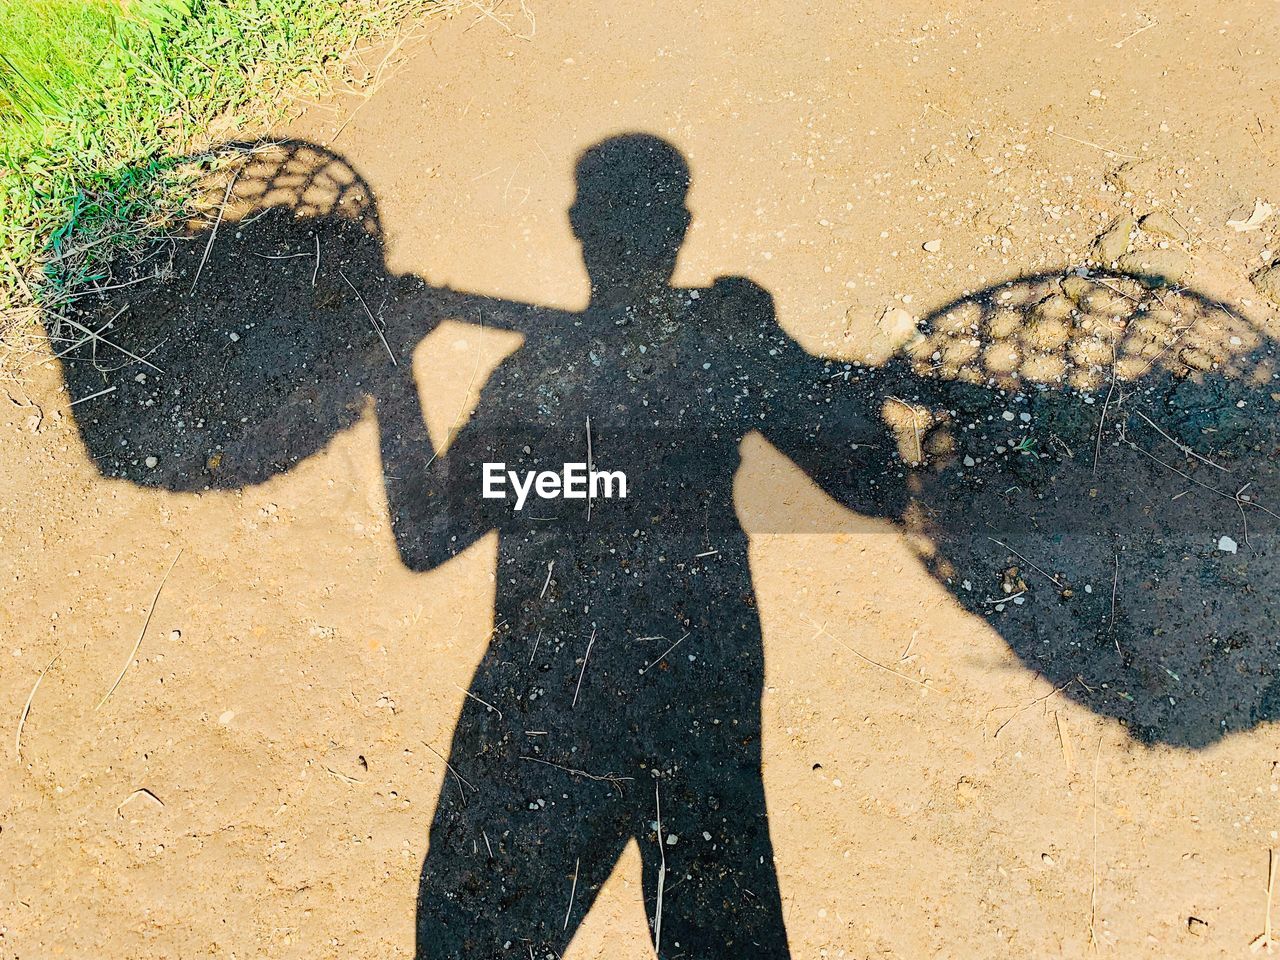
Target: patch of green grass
99 100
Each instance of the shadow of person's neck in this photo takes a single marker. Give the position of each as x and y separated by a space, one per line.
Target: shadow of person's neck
629 290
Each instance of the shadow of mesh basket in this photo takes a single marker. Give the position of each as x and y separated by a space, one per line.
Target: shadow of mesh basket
1101 436
242 346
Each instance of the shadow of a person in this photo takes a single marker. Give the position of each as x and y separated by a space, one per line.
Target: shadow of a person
1059 431
626 663
621 688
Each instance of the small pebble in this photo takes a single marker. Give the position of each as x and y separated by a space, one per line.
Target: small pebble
1227 545
151 462
933 246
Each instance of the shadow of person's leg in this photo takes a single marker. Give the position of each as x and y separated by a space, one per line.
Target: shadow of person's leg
720 891
720 895
518 866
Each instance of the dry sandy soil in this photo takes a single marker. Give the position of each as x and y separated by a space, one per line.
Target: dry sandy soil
261 781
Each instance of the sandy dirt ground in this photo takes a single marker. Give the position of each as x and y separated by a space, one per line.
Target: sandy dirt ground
261 781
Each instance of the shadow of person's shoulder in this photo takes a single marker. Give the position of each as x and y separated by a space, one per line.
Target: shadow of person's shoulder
736 311
744 294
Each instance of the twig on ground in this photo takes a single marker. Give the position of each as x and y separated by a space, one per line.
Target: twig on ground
1068 754
461 779
906 653
369 313
1102 419
822 629
1056 582
120 286
664 654
1265 941
1236 498
1173 341
485 703
590 485
98 338
582 673
1181 446
1112 287
533 22
85 339
1028 706
94 396
1111 623
141 633
1096 146
213 234
573 892
662 878
1120 43
1093 889
26 708
486 13
608 778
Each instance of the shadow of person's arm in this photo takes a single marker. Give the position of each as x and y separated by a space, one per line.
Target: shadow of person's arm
826 416
826 422
831 419
433 499
830 426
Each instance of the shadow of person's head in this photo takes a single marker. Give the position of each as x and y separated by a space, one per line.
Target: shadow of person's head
629 214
